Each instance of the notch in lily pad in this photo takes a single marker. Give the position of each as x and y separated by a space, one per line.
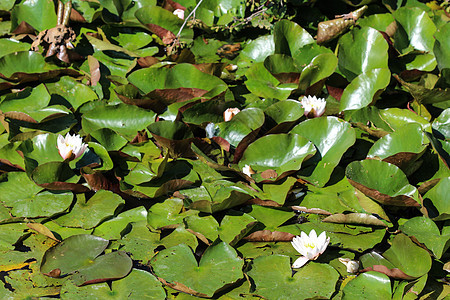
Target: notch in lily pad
79 256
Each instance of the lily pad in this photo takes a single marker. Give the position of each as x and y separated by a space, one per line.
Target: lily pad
365 175
332 137
369 285
178 268
278 152
362 50
138 284
273 279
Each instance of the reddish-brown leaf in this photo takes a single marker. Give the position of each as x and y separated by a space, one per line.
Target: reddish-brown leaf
269 236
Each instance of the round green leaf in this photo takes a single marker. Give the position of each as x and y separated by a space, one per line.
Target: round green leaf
87 214
273 279
27 100
426 232
167 213
442 47
407 139
285 111
320 67
262 83
138 284
408 257
218 266
113 228
364 89
368 286
419 29
117 118
382 181
110 266
154 16
278 152
242 124
26 199
39 14
439 208
289 36
179 76
362 50
332 137
73 253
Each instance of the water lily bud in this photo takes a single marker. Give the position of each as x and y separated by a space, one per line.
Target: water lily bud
70 147
314 107
230 113
352 265
310 246
179 13
247 170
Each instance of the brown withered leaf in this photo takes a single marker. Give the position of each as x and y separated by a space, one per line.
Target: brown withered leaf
260 202
269 236
181 287
392 273
94 69
147 61
223 143
42 229
76 16
169 96
402 159
268 174
64 186
401 200
175 5
165 35
24 28
55 273
335 92
317 211
214 69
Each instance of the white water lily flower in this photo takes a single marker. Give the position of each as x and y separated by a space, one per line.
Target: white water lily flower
313 106
71 146
230 113
310 246
352 265
179 13
247 170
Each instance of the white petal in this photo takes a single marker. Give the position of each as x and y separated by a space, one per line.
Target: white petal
313 235
300 262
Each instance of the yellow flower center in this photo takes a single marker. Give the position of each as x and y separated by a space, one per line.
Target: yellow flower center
310 245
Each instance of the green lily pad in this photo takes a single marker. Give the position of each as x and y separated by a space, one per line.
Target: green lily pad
26 199
400 147
39 14
394 189
217 195
242 124
364 89
289 36
442 47
277 152
178 268
138 284
273 279
89 213
437 200
408 257
113 229
418 28
167 213
362 50
115 118
369 285
263 84
320 68
73 253
332 138
426 231
179 76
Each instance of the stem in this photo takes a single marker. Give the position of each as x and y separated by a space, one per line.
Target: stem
67 10
60 12
187 18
